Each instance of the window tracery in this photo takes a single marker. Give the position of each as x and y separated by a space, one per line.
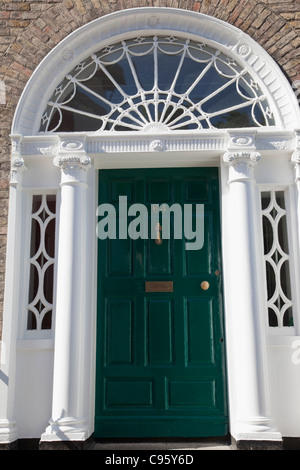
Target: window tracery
277 258
42 259
156 83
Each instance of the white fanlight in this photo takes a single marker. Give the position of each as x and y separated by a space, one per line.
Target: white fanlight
157 83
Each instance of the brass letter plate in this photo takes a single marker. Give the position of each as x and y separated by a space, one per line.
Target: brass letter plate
159 286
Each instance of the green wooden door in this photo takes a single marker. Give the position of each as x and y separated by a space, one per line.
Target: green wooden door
160 354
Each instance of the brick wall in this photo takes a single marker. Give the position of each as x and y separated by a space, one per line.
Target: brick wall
30 29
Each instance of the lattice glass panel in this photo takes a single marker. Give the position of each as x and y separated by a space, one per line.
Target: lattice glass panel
42 256
151 83
277 259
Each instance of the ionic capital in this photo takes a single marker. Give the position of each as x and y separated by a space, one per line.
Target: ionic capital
63 161
233 158
73 167
295 160
241 164
17 169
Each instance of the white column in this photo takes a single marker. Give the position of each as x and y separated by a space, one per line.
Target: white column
8 425
70 417
296 162
246 358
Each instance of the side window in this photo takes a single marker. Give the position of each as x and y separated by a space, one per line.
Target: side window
42 258
277 259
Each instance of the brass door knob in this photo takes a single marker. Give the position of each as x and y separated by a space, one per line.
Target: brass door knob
204 285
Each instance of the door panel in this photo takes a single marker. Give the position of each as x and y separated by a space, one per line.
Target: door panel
119 332
199 325
159 332
160 355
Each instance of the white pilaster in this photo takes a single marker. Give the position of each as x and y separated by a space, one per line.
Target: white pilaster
245 342
296 162
8 425
70 418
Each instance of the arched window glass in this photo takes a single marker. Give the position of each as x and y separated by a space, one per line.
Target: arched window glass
149 83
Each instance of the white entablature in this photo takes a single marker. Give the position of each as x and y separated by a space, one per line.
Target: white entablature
191 148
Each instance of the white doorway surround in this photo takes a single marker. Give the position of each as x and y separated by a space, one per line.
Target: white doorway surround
47 376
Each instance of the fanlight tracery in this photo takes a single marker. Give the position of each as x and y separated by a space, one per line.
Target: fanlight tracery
156 83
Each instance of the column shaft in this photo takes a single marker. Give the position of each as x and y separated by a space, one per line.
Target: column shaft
68 420
247 377
8 425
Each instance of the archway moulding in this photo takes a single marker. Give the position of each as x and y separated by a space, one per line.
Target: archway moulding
140 21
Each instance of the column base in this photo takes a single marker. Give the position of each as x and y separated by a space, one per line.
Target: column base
259 444
66 445
8 431
66 429
257 433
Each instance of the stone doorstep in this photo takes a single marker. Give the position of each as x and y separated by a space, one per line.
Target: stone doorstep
150 445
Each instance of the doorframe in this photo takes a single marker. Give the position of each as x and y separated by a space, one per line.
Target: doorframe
77 156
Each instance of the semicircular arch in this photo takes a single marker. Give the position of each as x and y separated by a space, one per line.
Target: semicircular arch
277 103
